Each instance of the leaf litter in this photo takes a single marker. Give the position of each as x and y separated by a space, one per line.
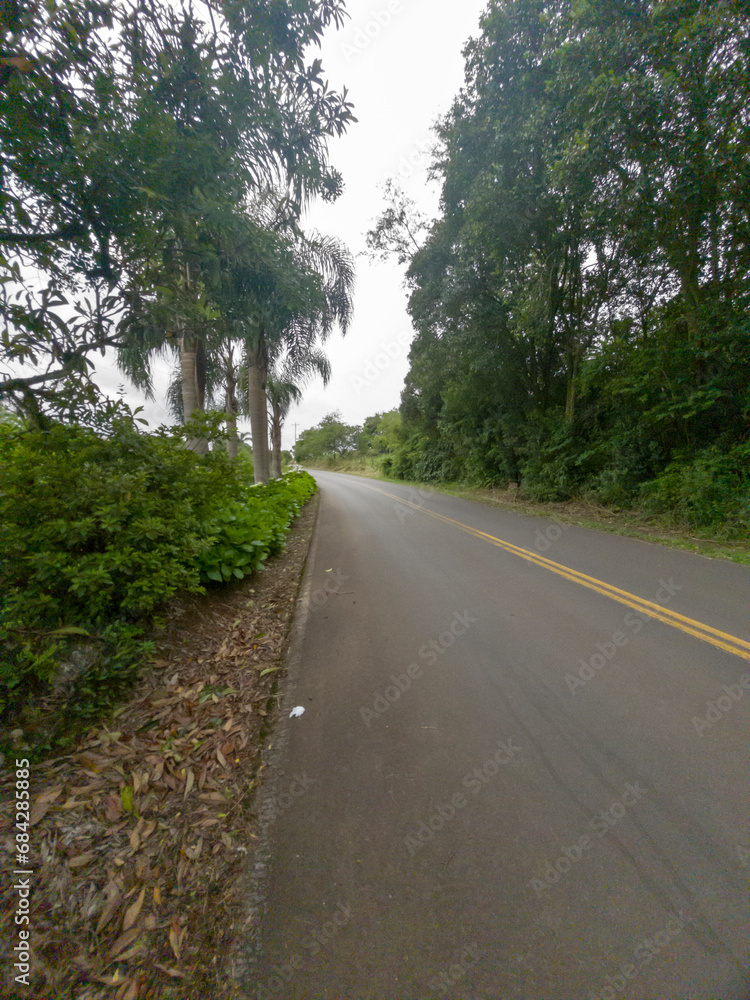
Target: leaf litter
141 832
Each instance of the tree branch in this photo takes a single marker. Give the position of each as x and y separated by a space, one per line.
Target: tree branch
24 384
66 232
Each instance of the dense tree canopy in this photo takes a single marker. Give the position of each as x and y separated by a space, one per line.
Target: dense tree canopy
331 438
133 137
582 302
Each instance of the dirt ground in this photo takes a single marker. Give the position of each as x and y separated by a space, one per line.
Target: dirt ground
140 834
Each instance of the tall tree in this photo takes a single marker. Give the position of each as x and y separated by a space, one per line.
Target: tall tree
131 134
581 301
288 376
302 305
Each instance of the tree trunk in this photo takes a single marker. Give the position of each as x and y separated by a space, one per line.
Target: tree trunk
574 363
191 394
231 408
276 442
233 441
258 406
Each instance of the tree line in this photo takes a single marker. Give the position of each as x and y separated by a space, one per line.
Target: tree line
156 160
581 302
333 442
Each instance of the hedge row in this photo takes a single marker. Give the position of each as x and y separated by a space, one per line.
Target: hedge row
97 530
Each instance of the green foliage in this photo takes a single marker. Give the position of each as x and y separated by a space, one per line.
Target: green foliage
134 137
333 443
380 434
582 303
105 524
710 490
330 438
89 674
97 530
246 532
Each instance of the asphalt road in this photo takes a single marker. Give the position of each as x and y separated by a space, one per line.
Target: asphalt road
522 768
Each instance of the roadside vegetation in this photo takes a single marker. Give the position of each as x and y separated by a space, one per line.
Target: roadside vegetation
156 161
382 449
98 530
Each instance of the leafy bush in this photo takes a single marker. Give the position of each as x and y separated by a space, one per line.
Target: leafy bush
708 490
99 527
97 530
244 533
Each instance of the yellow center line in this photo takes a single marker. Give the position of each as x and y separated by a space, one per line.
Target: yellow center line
722 640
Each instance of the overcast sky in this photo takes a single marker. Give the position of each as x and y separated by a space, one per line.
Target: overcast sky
402 65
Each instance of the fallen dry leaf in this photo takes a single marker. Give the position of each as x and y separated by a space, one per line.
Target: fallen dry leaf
131 993
189 780
81 860
174 973
43 803
124 941
113 894
51 794
131 914
176 937
135 836
195 851
113 809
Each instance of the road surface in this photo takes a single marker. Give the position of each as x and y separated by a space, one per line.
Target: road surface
522 768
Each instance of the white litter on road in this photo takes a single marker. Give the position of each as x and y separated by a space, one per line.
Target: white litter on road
296 712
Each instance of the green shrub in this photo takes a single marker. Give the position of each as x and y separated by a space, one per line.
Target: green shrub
97 530
707 490
244 533
94 528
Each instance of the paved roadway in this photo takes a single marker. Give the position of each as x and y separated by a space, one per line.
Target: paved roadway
522 769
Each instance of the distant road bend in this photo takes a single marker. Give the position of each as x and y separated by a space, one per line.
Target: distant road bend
522 769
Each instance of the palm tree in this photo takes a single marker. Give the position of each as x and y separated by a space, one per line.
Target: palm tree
295 330
288 375
178 323
281 395
277 289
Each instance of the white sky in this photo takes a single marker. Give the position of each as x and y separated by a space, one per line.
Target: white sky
402 65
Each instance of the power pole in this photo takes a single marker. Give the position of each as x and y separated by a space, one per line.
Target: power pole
295 433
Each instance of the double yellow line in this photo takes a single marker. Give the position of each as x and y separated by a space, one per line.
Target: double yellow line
722 640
